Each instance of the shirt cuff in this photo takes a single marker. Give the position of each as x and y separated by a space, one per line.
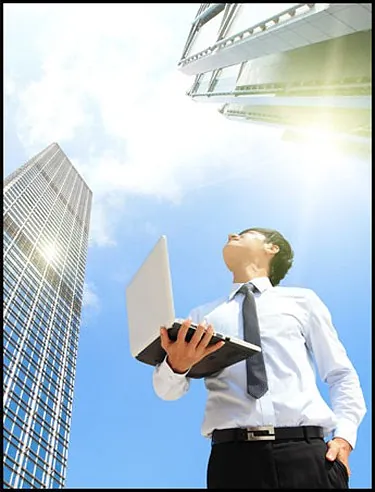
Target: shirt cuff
347 430
165 370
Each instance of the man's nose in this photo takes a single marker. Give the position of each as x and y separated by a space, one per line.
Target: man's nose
232 235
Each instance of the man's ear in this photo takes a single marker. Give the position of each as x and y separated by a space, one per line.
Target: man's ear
272 249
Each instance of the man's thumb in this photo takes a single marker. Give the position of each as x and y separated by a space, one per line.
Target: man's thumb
164 338
332 451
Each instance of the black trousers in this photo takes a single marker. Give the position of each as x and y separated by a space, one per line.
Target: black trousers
283 464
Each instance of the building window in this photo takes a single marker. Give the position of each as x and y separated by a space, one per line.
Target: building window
7 474
12 451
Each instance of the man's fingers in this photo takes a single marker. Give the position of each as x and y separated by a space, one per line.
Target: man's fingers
342 456
214 347
207 336
196 338
183 330
165 341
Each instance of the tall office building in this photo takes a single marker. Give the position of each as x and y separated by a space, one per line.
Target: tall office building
305 65
47 209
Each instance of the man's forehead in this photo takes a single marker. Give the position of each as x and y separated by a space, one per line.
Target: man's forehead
253 232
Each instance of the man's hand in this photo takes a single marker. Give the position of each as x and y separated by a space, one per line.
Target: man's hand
339 448
183 355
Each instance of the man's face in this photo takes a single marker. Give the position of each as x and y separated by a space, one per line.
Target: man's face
243 248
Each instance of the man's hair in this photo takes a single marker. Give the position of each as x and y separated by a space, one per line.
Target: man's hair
283 259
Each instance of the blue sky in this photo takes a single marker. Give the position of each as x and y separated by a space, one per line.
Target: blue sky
102 81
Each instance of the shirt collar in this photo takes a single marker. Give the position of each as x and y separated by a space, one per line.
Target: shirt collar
261 283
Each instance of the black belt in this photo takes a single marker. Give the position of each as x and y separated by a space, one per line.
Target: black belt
266 433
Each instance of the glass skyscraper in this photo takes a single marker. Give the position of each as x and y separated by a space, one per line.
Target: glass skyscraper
47 209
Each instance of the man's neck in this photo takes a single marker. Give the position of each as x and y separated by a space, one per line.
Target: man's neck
244 274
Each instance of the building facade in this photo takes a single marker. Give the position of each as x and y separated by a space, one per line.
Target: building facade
46 218
297 65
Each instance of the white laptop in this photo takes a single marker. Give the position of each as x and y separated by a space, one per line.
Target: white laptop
149 301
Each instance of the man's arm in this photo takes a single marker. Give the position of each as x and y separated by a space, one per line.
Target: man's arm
338 372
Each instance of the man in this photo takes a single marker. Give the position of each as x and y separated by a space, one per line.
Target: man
265 416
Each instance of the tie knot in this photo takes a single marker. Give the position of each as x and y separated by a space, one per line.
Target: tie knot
246 288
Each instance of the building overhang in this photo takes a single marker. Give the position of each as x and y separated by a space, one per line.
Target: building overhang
299 26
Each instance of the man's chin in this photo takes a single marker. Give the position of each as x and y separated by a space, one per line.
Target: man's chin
229 257
230 247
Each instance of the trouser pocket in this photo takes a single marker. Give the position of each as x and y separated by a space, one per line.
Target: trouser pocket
337 474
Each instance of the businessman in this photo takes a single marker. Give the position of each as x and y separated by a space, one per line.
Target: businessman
268 424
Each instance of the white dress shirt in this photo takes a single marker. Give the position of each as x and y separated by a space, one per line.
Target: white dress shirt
295 325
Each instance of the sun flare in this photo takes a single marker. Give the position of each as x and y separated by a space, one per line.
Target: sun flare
50 252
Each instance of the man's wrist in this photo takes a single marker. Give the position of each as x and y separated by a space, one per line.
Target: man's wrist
346 430
343 443
176 369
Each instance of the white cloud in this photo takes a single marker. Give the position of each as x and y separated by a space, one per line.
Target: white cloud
102 227
91 300
50 110
116 65
91 305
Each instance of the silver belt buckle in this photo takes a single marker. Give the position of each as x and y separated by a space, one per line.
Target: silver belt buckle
267 433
